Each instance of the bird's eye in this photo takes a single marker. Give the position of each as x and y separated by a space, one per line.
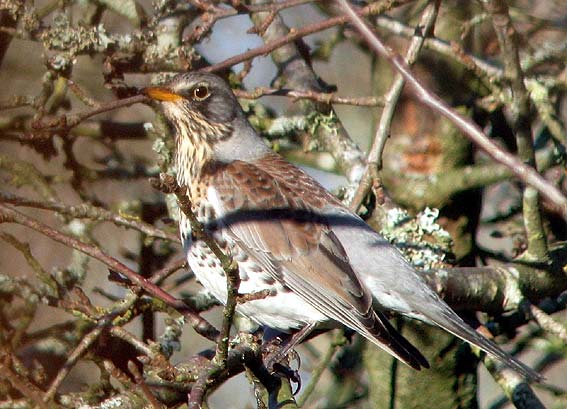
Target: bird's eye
201 92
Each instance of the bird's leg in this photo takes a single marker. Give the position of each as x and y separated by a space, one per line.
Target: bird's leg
274 357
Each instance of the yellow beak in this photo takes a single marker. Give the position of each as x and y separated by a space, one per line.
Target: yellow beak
161 94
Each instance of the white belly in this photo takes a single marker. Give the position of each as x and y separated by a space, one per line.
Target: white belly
282 310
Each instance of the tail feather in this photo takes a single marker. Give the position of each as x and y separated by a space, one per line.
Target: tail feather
451 322
384 335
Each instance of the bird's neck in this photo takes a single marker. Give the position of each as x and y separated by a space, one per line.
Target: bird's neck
191 159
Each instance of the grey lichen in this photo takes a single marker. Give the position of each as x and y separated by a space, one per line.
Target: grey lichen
126 8
169 341
424 243
319 122
328 122
76 40
284 126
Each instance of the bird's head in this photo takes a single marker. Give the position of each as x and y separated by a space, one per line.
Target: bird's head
210 126
200 106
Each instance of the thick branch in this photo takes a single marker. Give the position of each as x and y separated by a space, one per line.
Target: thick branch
508 41
298 74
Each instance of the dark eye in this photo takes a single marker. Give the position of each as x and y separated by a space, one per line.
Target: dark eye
201 92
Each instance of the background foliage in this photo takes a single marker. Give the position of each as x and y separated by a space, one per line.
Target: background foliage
96 304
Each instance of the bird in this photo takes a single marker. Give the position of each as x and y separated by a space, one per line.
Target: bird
318 262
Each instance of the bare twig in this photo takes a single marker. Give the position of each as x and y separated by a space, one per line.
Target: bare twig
159 276
138 377
294 35
64 123
87 211
297 73
374 162
82 95
325 98
318 371
210 17
452 50
547 322
24 248
8 215
524 172
514 386
140 346
73 358
22 384
508 41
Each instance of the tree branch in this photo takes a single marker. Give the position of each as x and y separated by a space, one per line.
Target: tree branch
8 215
524 172
374 161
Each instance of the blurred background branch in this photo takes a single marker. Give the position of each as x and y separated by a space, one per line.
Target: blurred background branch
94 291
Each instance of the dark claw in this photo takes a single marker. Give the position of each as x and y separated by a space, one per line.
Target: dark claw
294 356
274 354
283 371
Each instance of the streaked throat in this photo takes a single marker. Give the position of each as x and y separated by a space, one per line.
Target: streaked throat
195 138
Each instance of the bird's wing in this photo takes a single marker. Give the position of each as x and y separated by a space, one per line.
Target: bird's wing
275 211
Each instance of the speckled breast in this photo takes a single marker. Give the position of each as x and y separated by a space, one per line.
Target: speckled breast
281 309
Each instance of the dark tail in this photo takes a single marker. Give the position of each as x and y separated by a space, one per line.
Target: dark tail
451 322
384 335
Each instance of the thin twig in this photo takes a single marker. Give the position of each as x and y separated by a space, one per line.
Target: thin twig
154 403
22 384
297 73
513 385
337 342
8 215
209 19
140 346
423 30
453 50
171 267
64 123
294 35
168 184
547 322
91 212
524 172
36 266
508 41
74 357
82 95
325 98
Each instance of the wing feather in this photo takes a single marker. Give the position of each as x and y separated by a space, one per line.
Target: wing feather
283 226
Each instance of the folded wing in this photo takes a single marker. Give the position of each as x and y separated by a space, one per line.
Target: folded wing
276 213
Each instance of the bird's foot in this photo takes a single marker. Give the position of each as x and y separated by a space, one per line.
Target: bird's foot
277 356
283 371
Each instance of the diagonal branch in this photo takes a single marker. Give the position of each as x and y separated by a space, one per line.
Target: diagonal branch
391 99
9 215
508 40
294 35
525 173
88 211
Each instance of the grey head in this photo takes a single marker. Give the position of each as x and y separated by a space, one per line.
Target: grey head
204 111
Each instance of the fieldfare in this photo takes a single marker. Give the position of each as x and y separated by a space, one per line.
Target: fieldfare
320 262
